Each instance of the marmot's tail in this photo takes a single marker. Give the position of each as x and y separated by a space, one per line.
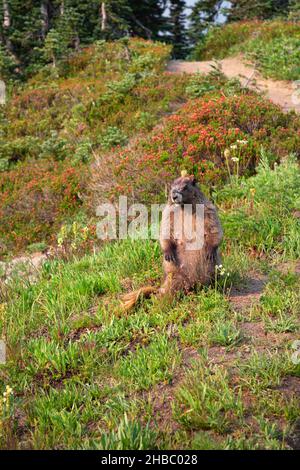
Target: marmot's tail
130 300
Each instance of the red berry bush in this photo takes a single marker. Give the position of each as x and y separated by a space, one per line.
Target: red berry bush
35 198
207 137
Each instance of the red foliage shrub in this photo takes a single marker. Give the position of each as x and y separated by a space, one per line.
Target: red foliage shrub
195 139
35 198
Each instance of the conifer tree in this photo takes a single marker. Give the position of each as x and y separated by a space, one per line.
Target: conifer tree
294 10
177 28
147 19
267 9
203 14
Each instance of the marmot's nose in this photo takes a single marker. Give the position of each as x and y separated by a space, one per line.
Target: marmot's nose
176 196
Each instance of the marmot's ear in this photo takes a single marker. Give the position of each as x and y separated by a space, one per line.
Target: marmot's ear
193 180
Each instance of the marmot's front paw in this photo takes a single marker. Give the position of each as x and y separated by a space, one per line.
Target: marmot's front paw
170 256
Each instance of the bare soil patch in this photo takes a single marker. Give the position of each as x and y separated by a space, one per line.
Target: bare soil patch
244 297
279 91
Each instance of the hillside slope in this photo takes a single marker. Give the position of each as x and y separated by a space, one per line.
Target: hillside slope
215 369
51 129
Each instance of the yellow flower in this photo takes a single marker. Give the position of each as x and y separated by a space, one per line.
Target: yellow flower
8 391
2 310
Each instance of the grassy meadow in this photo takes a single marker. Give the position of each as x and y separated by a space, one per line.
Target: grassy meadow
215 369
201 371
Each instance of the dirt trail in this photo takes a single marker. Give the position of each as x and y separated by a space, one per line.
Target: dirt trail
280 92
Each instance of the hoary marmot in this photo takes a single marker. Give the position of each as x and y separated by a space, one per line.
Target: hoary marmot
185 264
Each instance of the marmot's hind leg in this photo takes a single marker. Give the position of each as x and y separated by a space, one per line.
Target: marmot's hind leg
173 283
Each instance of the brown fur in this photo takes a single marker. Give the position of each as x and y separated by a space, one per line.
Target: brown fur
185 268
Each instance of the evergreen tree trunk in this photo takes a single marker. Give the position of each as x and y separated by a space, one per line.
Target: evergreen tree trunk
45 17
6 16
76 42
6 26
62 8
103 16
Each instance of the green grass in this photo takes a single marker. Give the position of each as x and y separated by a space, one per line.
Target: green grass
194 372
206 400
278 59
261 207
147 366
170 374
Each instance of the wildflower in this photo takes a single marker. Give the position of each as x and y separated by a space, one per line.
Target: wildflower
75 228
7 393
85 233
233 146
235 159
9 390
252 191
2 310
227 153
242 142
62 236
221 270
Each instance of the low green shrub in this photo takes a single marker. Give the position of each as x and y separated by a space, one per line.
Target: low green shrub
272 45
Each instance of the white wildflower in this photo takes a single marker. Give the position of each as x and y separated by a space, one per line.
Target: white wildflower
221 270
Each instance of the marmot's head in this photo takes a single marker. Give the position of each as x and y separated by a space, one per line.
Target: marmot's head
184 190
